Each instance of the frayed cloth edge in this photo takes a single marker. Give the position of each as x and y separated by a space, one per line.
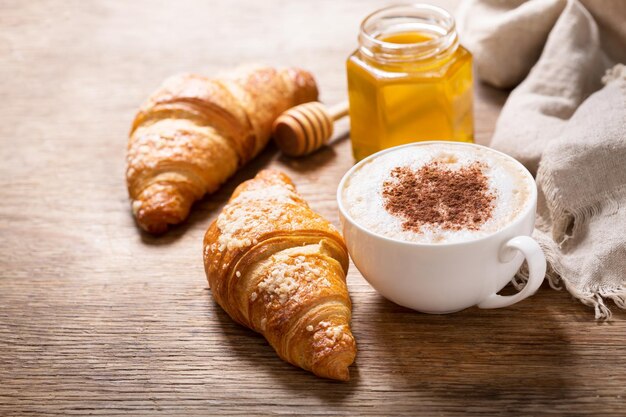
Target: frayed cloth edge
592 298
565 225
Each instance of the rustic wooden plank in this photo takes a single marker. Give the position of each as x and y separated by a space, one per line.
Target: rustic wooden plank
98 318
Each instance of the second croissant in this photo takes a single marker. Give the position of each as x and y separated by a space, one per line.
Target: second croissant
279 268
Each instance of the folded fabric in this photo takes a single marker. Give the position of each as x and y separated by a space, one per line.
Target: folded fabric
566 121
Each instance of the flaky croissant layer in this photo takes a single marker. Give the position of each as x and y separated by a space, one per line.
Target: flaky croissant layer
279 268
194 132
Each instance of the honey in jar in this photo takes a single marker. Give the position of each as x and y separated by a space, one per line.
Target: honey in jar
409 80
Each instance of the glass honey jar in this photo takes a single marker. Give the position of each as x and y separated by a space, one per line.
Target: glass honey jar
409 80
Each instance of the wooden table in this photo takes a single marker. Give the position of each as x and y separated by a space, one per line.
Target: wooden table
98 318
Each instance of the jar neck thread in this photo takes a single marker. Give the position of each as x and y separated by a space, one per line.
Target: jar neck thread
435 24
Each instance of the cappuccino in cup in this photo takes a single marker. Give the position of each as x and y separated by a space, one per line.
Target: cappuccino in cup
441 226
437 193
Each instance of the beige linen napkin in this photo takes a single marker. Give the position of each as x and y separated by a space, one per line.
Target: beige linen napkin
566 121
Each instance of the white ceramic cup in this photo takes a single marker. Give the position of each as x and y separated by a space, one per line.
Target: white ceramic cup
446 277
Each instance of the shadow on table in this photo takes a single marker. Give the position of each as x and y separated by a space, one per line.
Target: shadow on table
252 348
475 358
470 358
202 210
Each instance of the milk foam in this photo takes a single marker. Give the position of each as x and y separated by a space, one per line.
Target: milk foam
508 182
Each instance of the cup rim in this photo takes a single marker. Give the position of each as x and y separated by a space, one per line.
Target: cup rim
531 206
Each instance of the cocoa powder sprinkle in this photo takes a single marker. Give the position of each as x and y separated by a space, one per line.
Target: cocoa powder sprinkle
438 196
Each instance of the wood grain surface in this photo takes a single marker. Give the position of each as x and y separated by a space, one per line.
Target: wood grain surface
97 318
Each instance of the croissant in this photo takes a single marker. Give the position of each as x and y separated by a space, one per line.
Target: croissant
279 268
194 132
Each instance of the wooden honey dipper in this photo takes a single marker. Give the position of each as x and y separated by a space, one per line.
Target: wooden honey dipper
304 129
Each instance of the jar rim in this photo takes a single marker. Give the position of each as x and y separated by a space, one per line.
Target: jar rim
445 40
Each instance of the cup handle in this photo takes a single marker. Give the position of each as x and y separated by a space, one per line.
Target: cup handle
536 272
